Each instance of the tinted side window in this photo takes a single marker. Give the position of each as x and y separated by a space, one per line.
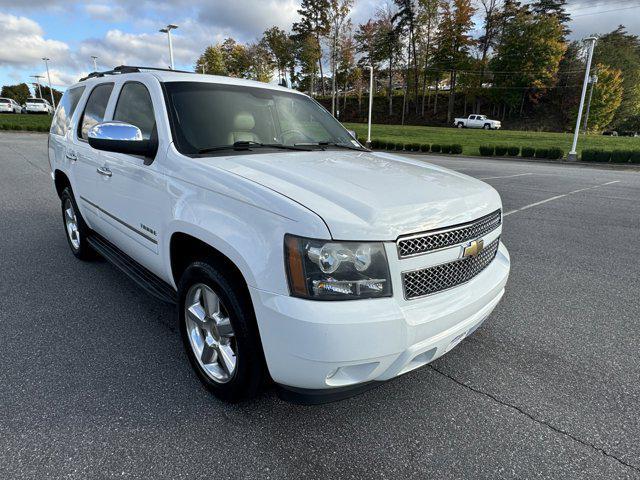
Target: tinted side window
95 108
135 107
62 119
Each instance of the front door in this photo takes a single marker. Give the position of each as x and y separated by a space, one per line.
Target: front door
131 191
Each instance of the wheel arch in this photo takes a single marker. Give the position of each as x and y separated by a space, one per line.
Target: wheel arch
61 181
185 249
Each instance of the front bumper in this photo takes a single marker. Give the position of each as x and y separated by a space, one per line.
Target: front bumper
332 345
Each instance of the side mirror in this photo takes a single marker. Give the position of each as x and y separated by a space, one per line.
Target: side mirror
353 134
121 137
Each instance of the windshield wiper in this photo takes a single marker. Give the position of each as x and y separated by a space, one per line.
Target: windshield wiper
248 145
331 144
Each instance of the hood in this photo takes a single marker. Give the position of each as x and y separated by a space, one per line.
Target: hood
368 196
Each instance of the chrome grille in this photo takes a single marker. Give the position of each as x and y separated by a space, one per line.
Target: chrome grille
437 239
427 281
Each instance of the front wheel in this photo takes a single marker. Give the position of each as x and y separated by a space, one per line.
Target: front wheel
460 125
487 126
219 333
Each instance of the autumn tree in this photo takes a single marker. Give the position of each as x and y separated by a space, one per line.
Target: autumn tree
621 51
19 92
488 39
406 19
527 58
337 15
388 45
454 42
556 8
607 97
282 49
211 61
314 22
261 63
428 11
308 55
237 60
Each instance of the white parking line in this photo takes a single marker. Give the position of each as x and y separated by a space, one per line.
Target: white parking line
507 176
559 196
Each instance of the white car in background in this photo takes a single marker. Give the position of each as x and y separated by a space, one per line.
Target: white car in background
38 105
9 105
478 121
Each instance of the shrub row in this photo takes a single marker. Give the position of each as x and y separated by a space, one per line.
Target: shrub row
416 147
526 152
28 128
608 156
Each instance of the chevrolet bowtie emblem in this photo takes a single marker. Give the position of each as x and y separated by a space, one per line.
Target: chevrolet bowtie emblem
473 248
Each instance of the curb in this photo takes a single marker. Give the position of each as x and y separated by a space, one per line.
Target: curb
580 164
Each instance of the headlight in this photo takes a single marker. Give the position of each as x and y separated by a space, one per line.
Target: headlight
328 270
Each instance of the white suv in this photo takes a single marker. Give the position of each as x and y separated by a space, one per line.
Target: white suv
292 252
38 105
9 105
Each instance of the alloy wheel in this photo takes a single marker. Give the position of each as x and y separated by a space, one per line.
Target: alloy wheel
210 333
71 223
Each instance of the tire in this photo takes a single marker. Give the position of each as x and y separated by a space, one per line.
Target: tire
210 336
460 125
487 126
76 229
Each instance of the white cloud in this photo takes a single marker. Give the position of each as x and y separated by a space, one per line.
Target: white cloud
246 20
108 13
23 43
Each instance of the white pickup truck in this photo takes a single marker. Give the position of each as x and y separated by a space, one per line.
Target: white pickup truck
477 121
287 249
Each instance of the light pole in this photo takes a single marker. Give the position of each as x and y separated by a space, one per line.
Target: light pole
38 77
95 63
167 30
46 63
573 154
370 67
594 81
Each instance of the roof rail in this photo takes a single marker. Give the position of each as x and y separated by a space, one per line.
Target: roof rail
121 69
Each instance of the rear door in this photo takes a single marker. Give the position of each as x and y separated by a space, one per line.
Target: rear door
85 161
62 130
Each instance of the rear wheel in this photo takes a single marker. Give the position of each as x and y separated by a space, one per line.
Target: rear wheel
219 333
75 227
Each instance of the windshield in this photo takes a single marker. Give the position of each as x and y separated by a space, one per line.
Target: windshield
4 100
205 116
35 100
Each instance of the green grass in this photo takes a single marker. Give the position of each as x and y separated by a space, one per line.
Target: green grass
25 122
472 139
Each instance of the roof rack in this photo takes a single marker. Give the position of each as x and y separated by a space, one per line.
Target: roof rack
121 69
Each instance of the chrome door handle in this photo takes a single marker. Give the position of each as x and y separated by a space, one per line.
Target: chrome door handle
71 156
104 171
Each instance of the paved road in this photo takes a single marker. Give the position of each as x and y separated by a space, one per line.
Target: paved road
94 382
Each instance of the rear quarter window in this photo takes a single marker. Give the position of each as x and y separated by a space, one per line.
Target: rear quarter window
62 120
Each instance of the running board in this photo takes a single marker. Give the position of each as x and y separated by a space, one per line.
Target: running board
150 282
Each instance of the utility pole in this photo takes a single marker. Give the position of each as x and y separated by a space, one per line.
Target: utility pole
38 77
46 63
167 30
594 81
370 67
95 63
573 154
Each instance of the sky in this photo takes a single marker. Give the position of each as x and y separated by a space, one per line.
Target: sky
119 32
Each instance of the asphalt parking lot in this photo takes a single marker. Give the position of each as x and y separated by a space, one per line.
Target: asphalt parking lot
94 382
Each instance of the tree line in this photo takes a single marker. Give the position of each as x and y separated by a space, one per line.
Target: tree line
431 63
